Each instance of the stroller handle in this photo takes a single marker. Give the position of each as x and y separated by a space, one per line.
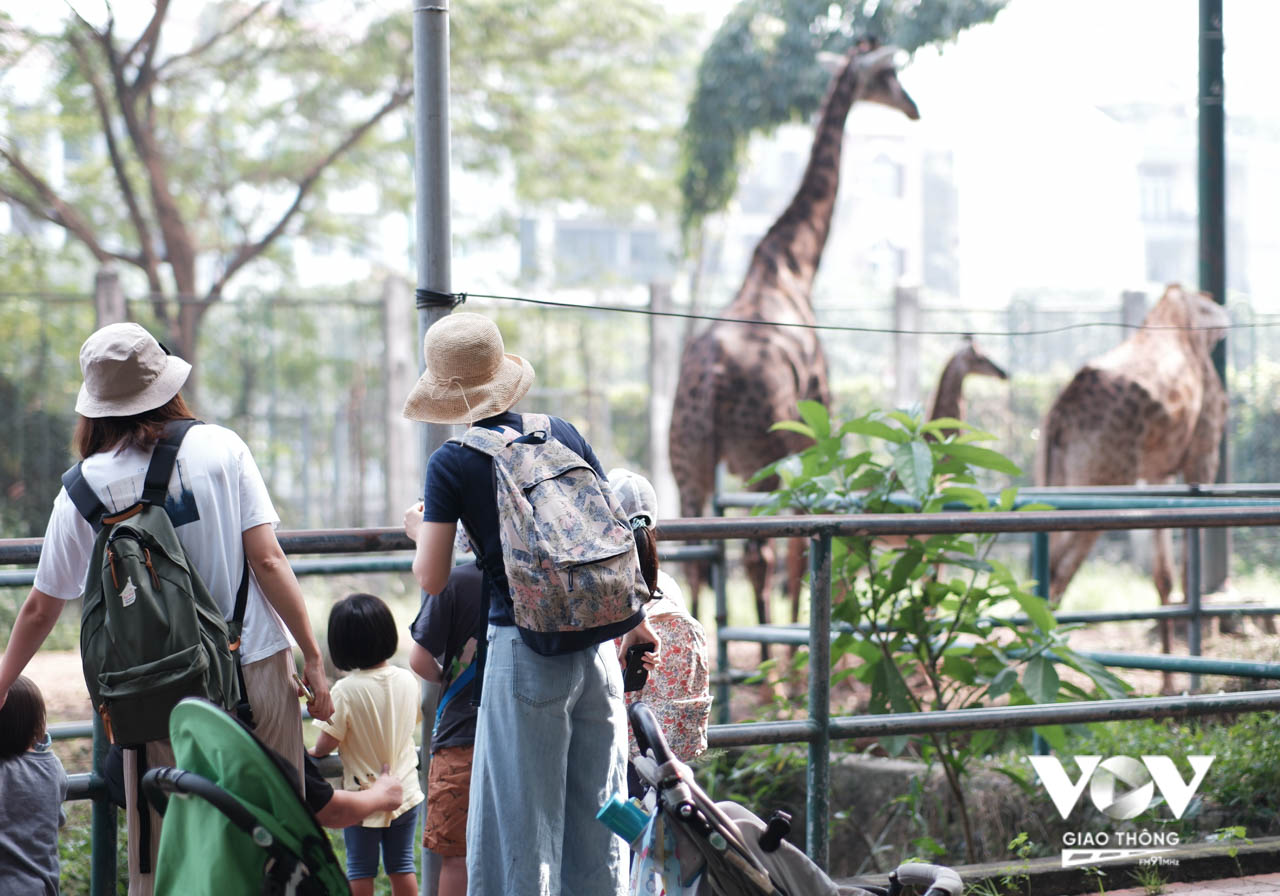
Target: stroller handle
649 736
158 783
931 880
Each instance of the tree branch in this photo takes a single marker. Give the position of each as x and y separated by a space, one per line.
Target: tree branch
180 253
149 38
146 255
214 39
50 206
88 26
249 251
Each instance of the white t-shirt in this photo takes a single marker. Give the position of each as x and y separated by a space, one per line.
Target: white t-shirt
215 493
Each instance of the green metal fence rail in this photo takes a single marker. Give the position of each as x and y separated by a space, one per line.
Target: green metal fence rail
819 729
1132 497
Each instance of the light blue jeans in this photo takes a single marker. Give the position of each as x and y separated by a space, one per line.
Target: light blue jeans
551 745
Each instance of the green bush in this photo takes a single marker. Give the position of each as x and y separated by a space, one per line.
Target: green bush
1242 786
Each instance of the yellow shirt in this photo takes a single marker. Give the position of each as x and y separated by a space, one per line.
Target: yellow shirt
375 713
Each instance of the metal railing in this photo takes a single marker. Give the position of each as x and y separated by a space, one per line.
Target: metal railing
1135 497
820 728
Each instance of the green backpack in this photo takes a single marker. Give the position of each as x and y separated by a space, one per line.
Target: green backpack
150 632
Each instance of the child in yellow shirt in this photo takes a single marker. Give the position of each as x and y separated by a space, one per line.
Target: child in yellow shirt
376 710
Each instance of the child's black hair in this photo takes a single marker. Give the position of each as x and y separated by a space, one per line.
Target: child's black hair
362 632
21 718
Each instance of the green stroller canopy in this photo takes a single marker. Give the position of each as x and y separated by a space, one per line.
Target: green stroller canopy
256 836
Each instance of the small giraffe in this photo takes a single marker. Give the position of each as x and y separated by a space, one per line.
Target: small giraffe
1148 409
947 398
738 379
948 401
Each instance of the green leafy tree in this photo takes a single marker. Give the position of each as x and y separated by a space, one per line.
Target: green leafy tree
762 69
192 148
926 618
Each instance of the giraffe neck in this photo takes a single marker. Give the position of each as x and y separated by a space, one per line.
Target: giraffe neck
946 403
796 240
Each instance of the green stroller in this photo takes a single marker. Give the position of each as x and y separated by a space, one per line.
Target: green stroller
233 822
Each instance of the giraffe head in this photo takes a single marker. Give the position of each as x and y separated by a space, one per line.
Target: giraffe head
1204 319
974 361
878 77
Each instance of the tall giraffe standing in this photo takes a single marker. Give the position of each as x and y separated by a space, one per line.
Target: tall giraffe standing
738 379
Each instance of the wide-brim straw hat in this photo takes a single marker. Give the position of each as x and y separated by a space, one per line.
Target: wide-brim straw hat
127 372
469 374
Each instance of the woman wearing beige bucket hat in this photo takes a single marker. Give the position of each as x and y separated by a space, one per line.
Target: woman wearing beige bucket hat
551 737
224 518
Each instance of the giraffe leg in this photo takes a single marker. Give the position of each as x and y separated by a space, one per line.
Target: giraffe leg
1067 551
1162 573
797 557
697 572
757 560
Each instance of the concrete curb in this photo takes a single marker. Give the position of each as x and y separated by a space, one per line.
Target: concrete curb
1047 877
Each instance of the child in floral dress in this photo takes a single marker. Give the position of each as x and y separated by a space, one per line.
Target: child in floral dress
677 691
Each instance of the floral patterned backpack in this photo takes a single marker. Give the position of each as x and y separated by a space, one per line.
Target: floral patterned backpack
567 549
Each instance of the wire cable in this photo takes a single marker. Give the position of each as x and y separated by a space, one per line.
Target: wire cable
685 315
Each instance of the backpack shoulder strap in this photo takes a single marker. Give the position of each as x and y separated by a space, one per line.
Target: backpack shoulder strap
535 423
487 441
84 497
163 457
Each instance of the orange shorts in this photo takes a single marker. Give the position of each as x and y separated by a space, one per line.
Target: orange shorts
448 791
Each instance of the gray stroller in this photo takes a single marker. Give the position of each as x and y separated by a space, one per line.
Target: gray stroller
736 852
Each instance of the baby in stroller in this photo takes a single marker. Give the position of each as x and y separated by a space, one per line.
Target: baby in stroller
722 849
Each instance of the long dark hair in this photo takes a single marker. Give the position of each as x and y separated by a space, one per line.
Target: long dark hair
647 549
94 434
21 718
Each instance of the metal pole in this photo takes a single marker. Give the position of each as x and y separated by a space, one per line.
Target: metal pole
102 872
1212 196
818 773
1040 569
1193 599
433 243
719 584
431 174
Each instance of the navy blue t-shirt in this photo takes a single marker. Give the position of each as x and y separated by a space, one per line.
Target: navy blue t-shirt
449 626
459 486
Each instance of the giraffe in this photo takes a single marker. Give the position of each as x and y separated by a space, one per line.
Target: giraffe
948 401
738 379
947 398
1148 409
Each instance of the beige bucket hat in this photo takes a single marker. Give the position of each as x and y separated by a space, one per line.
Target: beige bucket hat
469 375
127 372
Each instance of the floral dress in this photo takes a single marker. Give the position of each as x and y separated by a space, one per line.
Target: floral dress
678 692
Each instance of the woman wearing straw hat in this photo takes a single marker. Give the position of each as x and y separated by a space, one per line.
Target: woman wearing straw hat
224 518
551 737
